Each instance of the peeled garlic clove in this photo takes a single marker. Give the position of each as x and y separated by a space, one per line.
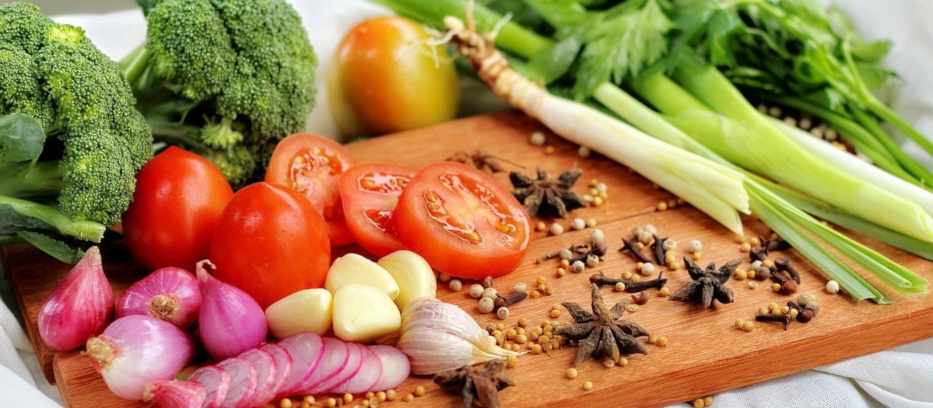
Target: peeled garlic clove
412 274
80 306
356 269
308 310
363 313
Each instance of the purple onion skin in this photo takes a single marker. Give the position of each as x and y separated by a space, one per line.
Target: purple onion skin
137 350
176 394
230 322
171 294
79 307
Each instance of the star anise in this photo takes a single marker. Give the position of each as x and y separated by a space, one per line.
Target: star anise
482 161
479 385
601 333
546 197
707 285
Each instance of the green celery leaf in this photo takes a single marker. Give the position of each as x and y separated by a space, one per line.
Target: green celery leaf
21 138
553 62
12 221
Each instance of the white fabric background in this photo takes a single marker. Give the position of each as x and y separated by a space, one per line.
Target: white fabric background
899 378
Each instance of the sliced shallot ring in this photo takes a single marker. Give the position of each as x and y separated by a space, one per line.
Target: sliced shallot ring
354 361
334 360
395 367
266 375
306 350
366 377
283 366
242 382
216 383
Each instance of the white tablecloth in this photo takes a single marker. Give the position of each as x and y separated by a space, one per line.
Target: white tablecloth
898 378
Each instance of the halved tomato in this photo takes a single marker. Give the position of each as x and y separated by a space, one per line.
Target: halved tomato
312 165
462 222
369 193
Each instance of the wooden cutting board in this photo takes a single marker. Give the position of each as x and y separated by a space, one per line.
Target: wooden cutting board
706 353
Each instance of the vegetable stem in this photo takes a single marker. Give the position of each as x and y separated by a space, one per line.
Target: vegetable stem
84 230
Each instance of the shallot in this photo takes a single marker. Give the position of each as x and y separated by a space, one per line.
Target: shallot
80 306
175 394
171 294
137 350
230 321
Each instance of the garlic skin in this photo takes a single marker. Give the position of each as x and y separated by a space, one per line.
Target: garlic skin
439 336
80 306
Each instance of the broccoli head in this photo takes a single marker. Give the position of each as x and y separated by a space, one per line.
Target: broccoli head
96 139
236 74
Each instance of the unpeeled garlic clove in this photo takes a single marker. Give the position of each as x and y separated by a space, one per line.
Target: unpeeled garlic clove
80 306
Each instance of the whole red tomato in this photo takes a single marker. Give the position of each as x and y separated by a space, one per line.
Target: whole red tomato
270 242
178 200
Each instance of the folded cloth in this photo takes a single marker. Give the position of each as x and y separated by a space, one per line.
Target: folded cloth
899 378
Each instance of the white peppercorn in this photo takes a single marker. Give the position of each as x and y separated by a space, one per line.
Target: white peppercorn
565 254
577 266
520 287
578 224
598 235
476 291
694 246
486 305
556 229
832 287
455 285
502 313
537 138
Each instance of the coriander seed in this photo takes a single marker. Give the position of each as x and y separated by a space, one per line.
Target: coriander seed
554 313
591 222
775 287
745 247
571 373
698 403
285 403
347 398
541 226
662 206
578 224
408 397
331 402
556 229
537 138
420 391
455 285
391 395
664 292
486 305
587 385
549 150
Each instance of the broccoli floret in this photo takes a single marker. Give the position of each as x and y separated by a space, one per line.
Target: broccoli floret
235 73
95 138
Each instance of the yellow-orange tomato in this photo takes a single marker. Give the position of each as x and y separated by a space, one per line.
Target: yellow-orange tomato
388 78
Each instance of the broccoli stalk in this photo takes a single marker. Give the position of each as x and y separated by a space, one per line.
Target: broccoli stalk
225 78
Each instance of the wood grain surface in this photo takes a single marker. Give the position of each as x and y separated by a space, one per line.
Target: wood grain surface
706 353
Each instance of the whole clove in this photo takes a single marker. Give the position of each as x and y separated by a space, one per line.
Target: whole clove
659 250
761 252
784 264
600 279
588 252
787 282
512 298
633 250
487 282
778 318
641 298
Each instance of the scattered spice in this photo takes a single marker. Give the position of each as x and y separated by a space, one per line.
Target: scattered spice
765 246
571 373
455 285
832 287
774 318
556 229
707 285
537 138
601 333
805 312
476 291
600 279
630 246
547 197
659 250
482 161
479 385
512 298
587 385
641 298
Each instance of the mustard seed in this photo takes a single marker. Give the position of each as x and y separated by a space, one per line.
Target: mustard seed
331 402
408 397
285 403
420 391
571 373
391 395
549 150
347 398
587 385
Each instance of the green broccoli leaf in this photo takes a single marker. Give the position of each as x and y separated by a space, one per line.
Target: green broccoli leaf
57 249
21 138
12 221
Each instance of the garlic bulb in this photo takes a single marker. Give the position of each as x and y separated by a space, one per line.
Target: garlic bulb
439 336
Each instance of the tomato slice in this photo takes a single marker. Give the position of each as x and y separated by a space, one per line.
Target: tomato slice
312 165
462 222
369 193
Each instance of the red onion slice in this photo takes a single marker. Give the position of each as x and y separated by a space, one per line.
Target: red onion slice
283 366
306 350
366 377
175 394
354 361
216 383
242 382
395 367
266 376
335 358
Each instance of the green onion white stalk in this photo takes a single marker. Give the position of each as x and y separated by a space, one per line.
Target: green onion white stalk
713 188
